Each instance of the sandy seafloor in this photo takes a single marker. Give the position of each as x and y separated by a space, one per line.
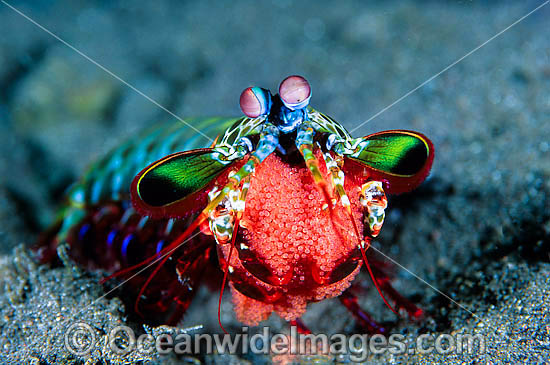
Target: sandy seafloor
478 230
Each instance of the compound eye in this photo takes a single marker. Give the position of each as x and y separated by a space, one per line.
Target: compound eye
255 101
295 92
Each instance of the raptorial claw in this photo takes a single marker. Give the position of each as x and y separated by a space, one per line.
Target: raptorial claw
374 199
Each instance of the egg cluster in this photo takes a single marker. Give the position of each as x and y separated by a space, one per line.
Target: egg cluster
288 229
288 224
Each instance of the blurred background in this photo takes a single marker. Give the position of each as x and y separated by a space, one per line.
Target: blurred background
478 229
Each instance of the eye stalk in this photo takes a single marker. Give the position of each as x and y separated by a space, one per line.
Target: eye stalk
295 92
255 102
286 110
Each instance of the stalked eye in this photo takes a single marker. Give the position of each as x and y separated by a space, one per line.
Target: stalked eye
255 101
295 92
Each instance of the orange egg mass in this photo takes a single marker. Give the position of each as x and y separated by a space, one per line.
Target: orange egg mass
291 249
